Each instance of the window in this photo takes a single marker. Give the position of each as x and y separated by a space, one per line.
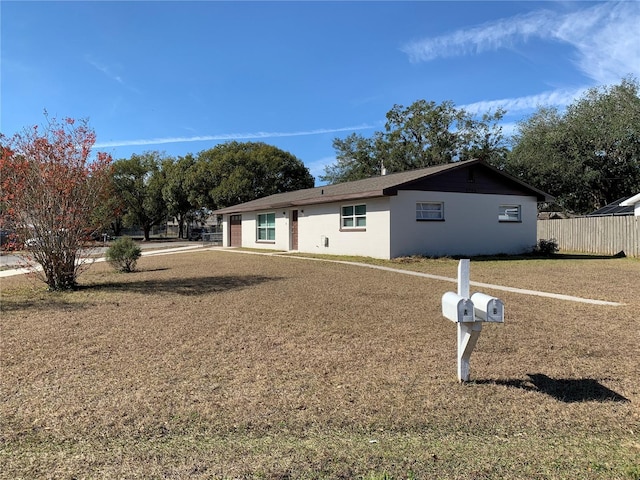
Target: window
429 211
509 213
354 216
267 227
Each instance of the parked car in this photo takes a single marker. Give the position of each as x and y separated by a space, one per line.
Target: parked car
196 233
8 241
43 240
32 242
101 237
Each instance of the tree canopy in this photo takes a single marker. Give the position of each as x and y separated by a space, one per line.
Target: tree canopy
138 183
150 187
587 156
421 135
175 190
236 172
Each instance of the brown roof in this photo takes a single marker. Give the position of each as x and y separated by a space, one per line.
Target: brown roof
359 189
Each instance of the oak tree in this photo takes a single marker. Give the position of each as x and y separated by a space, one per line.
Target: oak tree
420 135
176 189
237 172
587 156
138 182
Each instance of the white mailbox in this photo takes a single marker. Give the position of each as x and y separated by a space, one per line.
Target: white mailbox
457 308
487 308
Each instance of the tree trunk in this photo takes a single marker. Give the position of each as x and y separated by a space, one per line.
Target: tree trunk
147 232
180 227
59 270
116 226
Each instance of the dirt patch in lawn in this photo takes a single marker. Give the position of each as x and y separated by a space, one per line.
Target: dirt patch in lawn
227 365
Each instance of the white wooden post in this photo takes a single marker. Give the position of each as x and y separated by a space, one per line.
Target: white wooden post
469 313
468 333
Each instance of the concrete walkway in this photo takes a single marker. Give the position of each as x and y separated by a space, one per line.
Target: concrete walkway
522 291
145 253
503 288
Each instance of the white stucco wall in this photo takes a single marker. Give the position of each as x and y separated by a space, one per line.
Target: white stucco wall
319 222
470 227
249 233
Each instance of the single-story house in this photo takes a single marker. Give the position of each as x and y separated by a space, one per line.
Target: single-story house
462 208
633 202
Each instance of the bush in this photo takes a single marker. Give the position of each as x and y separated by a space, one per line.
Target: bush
546 247
123 254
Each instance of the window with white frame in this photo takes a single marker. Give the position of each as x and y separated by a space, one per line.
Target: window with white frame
353 216
509 213
429 211
266 227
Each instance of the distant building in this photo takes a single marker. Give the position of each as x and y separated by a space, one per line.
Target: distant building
633 202
619 207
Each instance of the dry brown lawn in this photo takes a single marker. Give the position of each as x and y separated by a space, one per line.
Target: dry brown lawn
224 365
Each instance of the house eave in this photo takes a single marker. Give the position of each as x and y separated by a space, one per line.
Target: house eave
316 200
630 202
371 188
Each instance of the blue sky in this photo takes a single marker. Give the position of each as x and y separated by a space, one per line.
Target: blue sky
181 77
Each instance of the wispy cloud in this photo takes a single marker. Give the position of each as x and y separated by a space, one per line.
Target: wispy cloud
110 72
104 69
226 137
489 36
557 98
605 37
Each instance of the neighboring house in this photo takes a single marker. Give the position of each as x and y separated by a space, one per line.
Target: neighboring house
462 208
633 202
553 215
617 208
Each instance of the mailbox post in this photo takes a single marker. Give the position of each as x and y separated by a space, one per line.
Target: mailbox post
468 312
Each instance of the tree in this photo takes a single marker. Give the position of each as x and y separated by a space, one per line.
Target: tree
138 183
357 157
52 190
588 156
483 139
235 172
175 190
418 136
422 134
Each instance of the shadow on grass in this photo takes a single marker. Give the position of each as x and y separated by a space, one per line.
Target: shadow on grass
61 302
564 389
46 303
182 286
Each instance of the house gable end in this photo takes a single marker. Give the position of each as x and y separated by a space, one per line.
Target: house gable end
472 178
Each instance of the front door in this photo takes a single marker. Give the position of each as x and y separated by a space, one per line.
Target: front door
294 230
235 231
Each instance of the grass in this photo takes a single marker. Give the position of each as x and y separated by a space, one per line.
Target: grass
223 365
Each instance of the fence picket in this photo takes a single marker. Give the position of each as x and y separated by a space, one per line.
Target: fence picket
598 235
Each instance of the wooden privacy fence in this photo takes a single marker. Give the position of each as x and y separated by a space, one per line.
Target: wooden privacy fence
600 235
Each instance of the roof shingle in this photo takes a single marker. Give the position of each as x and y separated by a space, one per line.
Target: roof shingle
366 188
